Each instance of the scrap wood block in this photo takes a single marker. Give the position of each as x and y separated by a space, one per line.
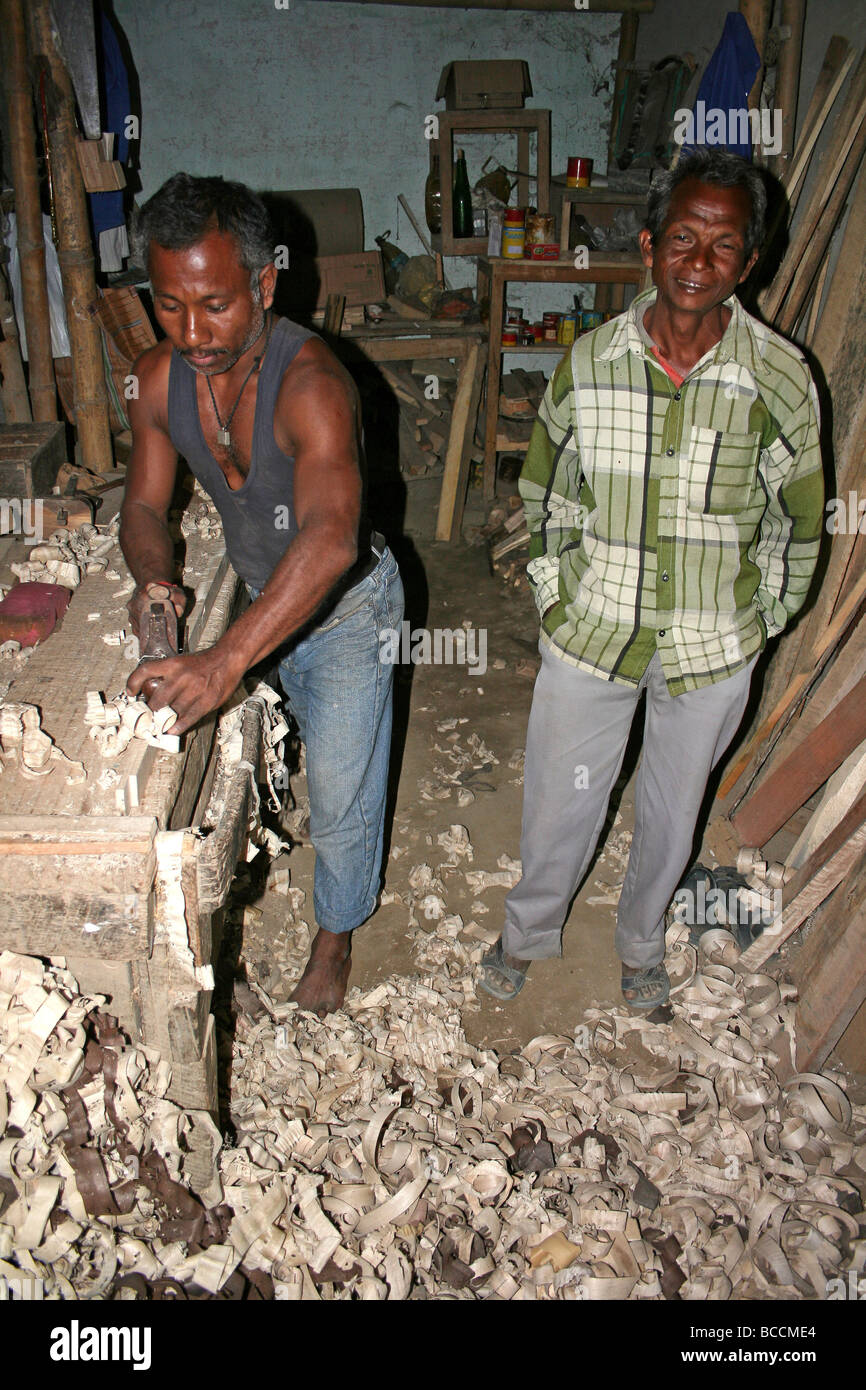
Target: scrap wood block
441 367
404 385
100 174
31 456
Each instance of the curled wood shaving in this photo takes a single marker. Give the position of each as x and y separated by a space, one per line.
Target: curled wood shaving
28 749
115 723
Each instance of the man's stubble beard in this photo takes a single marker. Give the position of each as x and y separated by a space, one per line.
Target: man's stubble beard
233 358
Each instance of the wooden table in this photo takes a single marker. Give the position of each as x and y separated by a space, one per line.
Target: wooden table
420 341
114 874
494 273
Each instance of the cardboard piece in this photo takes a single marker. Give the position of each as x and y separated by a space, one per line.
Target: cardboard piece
484 86
358 276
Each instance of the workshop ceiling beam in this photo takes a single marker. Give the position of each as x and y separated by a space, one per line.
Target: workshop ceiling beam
553 6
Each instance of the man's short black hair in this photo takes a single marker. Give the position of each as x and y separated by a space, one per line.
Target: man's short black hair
186 208
718 167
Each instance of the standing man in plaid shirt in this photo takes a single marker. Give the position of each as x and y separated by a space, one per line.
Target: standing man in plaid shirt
673 492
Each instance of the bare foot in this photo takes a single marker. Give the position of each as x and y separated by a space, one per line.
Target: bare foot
322 987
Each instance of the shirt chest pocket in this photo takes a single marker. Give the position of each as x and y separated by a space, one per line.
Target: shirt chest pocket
720 471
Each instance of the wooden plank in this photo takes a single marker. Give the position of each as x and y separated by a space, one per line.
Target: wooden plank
838 797
98 835
792 19
837 64
839 345
829 688
797 686
76 659
194 1079
460 444
830 972
812 244
628 27
845 133
811 884
804 771
409 349
469 439
335 307
757 15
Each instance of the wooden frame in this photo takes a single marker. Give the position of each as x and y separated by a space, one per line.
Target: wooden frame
519 122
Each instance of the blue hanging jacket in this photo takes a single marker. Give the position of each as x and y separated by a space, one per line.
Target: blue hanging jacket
727 81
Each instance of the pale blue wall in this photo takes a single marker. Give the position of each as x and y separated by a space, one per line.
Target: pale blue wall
324 95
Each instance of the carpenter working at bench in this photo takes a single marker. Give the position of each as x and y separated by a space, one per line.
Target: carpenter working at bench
673 493
269 422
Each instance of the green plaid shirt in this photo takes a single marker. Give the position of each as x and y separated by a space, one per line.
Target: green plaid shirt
680 520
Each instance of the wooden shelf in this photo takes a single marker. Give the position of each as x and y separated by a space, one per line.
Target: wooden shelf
459 246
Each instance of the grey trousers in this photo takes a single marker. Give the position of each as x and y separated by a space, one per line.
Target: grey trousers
578 729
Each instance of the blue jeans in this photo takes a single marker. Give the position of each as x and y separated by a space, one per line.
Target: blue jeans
340 695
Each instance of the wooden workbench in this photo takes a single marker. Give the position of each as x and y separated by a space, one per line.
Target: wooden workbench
122 876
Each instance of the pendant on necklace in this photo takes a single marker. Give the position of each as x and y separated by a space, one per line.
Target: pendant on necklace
224 438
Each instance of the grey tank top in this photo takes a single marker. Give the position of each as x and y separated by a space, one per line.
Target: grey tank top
258 518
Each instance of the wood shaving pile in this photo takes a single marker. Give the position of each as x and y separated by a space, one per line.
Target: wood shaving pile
378 1155
68 555
96 1166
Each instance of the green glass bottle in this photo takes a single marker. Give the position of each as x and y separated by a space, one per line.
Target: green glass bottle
462 198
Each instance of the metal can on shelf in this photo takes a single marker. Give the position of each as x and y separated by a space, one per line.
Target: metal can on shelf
567 329
514 234
540 231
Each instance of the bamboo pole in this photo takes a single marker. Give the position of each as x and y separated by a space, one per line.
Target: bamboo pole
625 55
793 15
553 6
13 388
757 15
28 213
74 250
